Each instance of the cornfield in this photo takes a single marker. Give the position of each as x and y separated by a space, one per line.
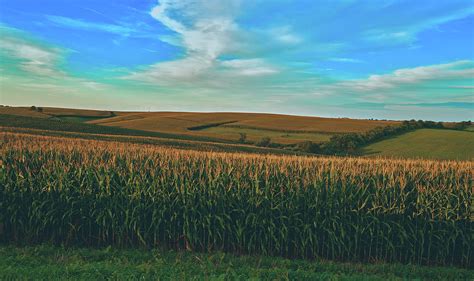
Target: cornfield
88 192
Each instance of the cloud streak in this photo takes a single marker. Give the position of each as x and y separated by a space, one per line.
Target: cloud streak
457 70
207 30
33 58
85 25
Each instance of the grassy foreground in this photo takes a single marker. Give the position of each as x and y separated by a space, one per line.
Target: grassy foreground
427 144
57 263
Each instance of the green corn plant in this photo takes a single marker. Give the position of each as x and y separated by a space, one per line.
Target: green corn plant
87 192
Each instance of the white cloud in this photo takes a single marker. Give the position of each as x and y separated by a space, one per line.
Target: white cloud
174 71
406 29
80 24
454 70
206 30
121 29
349 60
250 67
34 59
210 29
285 34
40 65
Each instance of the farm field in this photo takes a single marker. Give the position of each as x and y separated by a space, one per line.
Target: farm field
254 135
230 124
426 143
58 263
99 193
236 140
157 141
282 129
49 112
207 134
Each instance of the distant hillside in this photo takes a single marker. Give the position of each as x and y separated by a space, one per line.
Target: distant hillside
49 112
281 129
428 144
224 131
285 129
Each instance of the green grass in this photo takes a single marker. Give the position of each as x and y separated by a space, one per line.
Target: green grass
426 143
78 118
59 263
276 136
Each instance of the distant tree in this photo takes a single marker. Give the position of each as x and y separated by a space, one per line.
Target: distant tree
264 142
309 147
33 108
242 137
39 109
462 125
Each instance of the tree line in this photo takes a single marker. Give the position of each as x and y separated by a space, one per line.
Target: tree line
349 143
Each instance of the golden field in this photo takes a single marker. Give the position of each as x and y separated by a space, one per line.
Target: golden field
282 129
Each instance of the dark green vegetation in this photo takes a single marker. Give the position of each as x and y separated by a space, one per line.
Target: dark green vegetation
257 134
209 125
56 263
92 193
347 144
82 119
428 144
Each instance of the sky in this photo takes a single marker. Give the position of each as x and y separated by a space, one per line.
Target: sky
382 59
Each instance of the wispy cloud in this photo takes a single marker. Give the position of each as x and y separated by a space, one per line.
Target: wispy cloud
85 25
33 58
206 30
455 70
250 67
40 66
285 34
349 60
413 22
136 30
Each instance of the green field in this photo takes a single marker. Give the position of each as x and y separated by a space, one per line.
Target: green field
57 263
282 129
81 119
426 143
254 135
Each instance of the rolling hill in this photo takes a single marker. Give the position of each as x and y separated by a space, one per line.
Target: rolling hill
218 130
282 129
427 144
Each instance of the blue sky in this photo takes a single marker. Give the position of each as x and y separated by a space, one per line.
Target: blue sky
362 59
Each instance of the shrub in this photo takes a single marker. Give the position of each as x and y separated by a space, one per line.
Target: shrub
242 137
264 142
309 147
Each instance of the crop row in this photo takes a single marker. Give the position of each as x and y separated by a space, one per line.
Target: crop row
86 192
